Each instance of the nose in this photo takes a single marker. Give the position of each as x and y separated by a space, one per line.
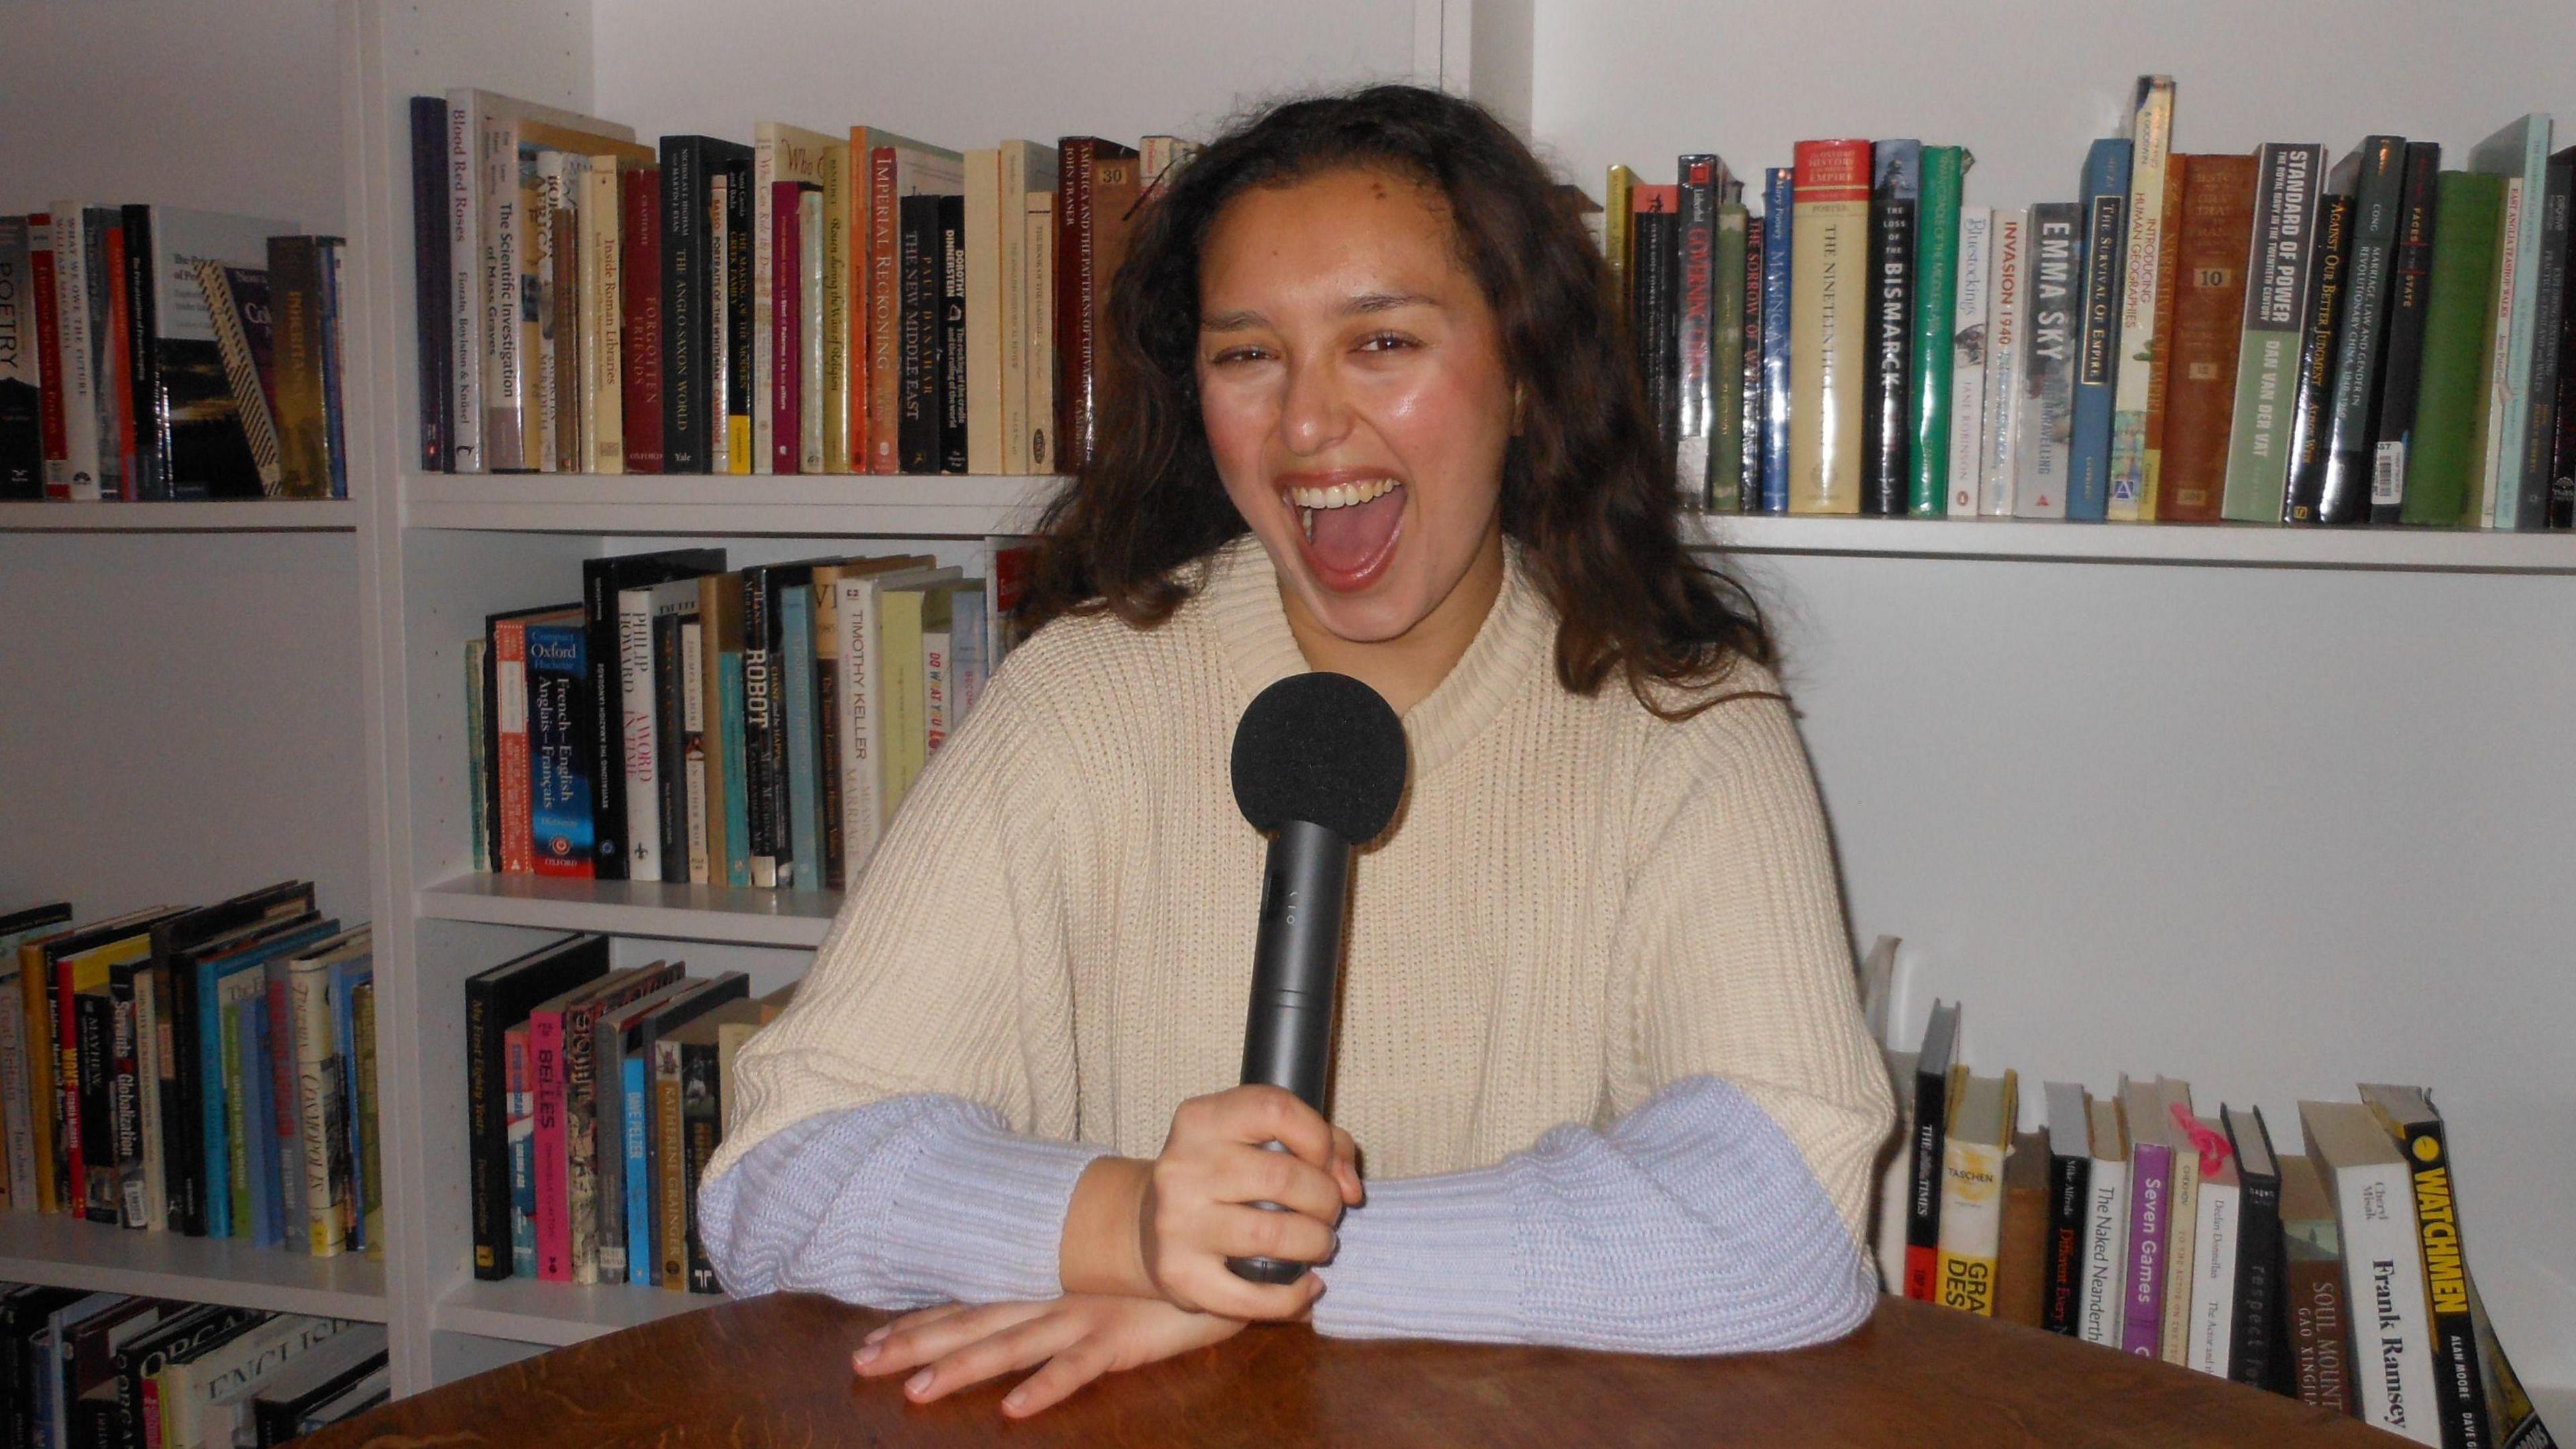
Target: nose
1315 414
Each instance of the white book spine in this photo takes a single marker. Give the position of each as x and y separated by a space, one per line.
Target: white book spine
555 329
862 727
1969 336
505 398
2213 1278
643 742
2500 490
1041 314
693 725
720 439
2007 292
465 298
2106 1252
1012 223
309 1011
79 353
809 322
983 220
604 310
151 1053
2383 1270
764 277
22 1130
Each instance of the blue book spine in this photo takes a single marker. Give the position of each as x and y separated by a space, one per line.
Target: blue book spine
1779 211
2097 336
258 1123
523 1178
214 1143
804 807
737 792
639 1177
345 980
559 761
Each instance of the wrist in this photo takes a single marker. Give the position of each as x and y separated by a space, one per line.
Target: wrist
1102 1251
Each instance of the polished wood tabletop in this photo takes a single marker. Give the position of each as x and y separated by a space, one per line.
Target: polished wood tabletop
776 1370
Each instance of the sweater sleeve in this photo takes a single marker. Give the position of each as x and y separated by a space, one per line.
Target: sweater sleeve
1732 958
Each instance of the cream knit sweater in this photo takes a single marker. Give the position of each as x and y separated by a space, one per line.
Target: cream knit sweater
1578 904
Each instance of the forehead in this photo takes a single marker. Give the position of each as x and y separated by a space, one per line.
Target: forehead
1342 225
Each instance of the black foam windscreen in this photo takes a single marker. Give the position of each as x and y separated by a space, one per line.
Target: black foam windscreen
1322 748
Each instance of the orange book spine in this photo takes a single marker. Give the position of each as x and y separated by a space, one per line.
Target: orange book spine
2160 366
2212 239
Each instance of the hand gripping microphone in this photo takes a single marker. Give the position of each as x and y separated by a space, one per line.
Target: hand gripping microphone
1320 759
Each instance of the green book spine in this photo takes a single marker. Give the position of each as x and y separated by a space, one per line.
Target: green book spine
2444 468
1726 450
237 1120
737 856
2289 187
1936 303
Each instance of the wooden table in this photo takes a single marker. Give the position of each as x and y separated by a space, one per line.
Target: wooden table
777 1371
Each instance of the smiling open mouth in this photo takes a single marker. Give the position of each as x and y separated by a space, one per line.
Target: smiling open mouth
1349 528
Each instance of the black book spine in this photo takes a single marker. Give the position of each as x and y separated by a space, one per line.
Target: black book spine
2378 202
158 981
2321 330
952 334
22 443
2255 1355
827 765
2401 355
94 1021
685 264
2459 1386
917 364
606 728
1695 329
2548 322
738 313
1654 275
486 1126
760 723
151 420
2070 1184
669 786
430 278
1886 482
125 1096
1923 1186
185 1165
702 1119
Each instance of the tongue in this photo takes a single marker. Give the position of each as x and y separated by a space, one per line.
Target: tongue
1347 538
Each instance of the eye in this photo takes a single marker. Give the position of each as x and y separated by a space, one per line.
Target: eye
1238 354
1387 342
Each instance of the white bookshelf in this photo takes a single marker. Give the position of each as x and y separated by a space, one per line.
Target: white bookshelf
2271 810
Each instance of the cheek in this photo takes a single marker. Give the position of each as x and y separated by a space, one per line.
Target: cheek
1239 422
1450 425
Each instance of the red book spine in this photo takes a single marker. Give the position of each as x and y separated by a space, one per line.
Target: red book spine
49 358
786 332
553 1181
118 343
282 1115
640 275
510 706
1073 241
1833 171
882 251
67 1112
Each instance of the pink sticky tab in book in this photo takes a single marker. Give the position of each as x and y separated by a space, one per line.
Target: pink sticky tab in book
2214 1147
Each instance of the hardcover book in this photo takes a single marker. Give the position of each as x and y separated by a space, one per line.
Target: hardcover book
2069 1187
2046 445
2323 312
2097 329
2375 176
1971 328
1896 194
1654 311
1694 306
798 158
619 650
2204 344
2445 463
896 167
1934 327
2513 494
2289 182
1779 207
2374 1208
1828 351
2255 1349
22 437
2401 353
497 999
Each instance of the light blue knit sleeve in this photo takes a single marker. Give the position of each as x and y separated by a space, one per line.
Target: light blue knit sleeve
1692 1226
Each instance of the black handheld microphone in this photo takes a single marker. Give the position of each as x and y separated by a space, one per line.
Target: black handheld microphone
1320 759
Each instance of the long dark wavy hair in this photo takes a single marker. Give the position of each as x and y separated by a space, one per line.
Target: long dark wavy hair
1588 489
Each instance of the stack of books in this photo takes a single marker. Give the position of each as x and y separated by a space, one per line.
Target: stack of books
758 728
169 355
209 1072
595 1098
113 1369
848 301
2254 338
2338 1275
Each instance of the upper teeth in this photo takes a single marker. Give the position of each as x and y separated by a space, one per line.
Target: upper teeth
1340 495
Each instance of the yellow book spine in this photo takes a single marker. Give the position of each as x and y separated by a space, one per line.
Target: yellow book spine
1972 1207
1827 350
1617 233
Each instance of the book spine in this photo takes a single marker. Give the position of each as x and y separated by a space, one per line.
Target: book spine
2281 260
1654 278
1971 333
798 762
321 1113
884 289
282 1147
486 1109
604 723
2201 341
210 1181
2047 445
2321 326
765 274
2320 1342
782 333
1779 239
1895 198
683 341
548 1033
2097 336
1748 466
17 1084
113 313
1695 327
2142 1302
670 1134
295 285
2549 310
554 278
1937 262
812 406
2070 1183
2459 1389
1041 371
987 256
461 229
603 299
1735 310
519 1109
2160 362
2007 319
94 1052
54 474
2256 1337
917 365
936 662
22 441
1074 299
862 729
248 1184
670 761
2443 457
2182 1223
125 1101
2144 268
635 1127
147 423
1924 1188
639 312
639 744
843 331
953 362
2401 354
2378 207
740 321
831 808
2384 1267
2218 1235
71 1157
2498 504
1972 1207
737 794
762 746
77 349
1828 352
504 223
560 783
430 266
693 744
702 1113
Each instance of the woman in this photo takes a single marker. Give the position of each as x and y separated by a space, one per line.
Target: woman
1598 1043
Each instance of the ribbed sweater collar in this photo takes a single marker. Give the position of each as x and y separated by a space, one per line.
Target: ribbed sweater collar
1511 647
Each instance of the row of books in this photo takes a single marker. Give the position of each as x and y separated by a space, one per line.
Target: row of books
813 302
81 1370
209 1072
594 1099
2254 338
151 353
2338 1276
759 727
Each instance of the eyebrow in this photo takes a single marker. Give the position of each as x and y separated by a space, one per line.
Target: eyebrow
1363 305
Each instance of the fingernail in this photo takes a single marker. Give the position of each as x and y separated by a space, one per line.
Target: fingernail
867 1354
917 1382
879 1333
1014 1399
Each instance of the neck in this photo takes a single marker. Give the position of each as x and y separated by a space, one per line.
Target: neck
1406 668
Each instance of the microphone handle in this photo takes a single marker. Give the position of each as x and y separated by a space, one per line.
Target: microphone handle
1296 973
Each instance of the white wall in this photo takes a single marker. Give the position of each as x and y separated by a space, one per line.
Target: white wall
2268 830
